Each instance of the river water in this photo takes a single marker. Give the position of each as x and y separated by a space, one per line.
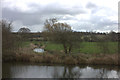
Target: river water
32 70
39 50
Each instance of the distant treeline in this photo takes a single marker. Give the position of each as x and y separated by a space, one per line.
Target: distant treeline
82 36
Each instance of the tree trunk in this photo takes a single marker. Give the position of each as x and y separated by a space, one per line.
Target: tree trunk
70 48
65 48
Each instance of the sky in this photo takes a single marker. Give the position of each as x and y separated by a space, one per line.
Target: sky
81 15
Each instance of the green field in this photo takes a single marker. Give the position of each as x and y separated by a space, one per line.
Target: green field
84 47
87 47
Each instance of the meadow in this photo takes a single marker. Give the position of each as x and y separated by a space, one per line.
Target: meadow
83 47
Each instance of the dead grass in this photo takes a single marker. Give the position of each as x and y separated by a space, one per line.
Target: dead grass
104 59
29 56
70 60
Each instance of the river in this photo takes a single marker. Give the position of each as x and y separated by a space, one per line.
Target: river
37 70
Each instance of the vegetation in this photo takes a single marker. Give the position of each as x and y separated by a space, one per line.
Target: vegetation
8 40
24 30
103 59
87 47
61 44
60 33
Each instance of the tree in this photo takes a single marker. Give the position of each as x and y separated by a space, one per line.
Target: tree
24 30
102 42
24 33
8 39
60 33
112 36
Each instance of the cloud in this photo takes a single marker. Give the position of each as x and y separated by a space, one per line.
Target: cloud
81 15
91 5
26 18
56 8
17 25
34 28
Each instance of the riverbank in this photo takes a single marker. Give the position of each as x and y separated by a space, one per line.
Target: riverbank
73 59
26 54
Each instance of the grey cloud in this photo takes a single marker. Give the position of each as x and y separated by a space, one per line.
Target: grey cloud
35 18
17 25
68 17
91 5
101 21
36 28
26 18
20 19
96 23
59 9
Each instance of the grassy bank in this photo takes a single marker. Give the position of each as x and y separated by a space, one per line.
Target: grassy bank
84 47
102 59
88 54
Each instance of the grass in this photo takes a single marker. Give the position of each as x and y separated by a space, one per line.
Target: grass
84 47
88 47
104 59
25 54
53 46
23 44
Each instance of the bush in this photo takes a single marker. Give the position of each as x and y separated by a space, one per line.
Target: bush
81 60
70 60
8 41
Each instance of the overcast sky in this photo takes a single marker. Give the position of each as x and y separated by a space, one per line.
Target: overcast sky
82 15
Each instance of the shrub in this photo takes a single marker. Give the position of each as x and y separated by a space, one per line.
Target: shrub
70 60
81 60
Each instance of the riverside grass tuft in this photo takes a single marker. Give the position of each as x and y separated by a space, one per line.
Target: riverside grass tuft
104 59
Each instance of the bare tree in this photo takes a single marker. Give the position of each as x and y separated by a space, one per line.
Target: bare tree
60 33
8 39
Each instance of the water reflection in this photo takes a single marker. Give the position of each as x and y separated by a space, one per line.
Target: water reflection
15 70
39 50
